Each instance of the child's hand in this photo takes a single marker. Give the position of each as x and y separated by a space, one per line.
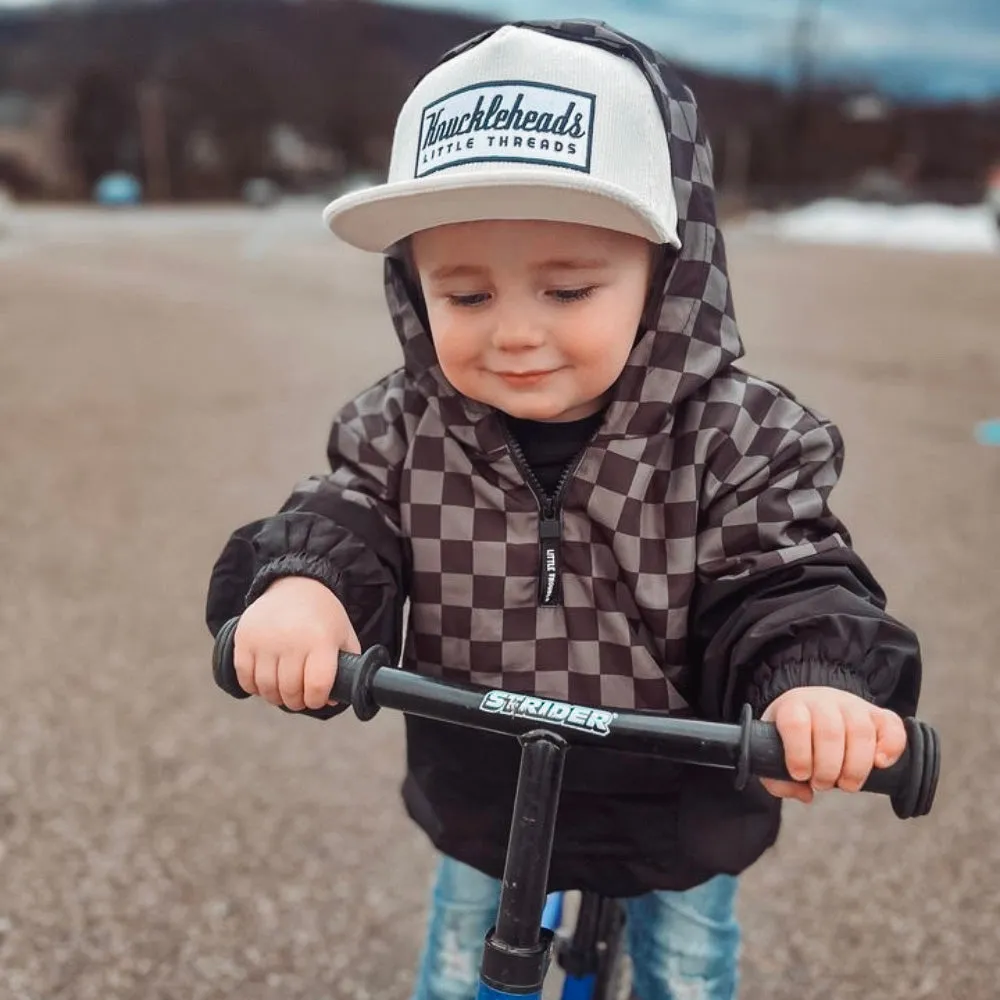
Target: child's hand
832 739
287 642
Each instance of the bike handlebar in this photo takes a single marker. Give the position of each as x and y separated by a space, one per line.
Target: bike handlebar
750 748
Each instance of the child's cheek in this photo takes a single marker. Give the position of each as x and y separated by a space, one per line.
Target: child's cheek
455 359
599 361
448 345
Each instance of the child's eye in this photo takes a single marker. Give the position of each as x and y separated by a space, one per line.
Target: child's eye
573 294
468 301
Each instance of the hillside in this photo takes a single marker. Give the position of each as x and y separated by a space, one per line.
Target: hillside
337 70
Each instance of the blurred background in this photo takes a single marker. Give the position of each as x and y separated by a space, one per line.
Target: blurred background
177 331
197 98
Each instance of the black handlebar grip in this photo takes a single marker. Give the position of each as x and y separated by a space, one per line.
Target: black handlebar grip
353 683
223 667
348 665
910 783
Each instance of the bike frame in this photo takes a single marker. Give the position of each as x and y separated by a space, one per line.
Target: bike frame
589 958
517 950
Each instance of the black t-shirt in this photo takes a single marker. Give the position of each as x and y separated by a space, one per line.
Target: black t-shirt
549 447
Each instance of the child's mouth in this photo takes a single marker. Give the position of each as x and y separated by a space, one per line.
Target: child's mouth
525 378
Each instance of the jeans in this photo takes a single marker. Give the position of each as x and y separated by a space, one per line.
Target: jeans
683 945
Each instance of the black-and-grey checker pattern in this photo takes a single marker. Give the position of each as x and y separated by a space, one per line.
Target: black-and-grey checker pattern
700 471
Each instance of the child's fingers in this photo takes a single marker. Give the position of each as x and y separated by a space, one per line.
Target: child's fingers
859 753
794 723
352 643
788 790
890 737
321 667
266 676
828 732
243 661
291 669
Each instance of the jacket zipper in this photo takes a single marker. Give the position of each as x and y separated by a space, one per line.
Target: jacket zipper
550 522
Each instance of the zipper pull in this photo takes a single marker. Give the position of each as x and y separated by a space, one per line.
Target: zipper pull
550 535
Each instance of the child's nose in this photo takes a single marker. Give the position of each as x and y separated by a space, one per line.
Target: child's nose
517 334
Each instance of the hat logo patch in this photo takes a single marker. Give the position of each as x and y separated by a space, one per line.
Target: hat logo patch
507 121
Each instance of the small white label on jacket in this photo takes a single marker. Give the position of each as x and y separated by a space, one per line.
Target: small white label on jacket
507 122
551 575
587 720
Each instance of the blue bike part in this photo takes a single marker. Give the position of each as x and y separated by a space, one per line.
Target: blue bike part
988 433
552 914
118 188
578 987
488 993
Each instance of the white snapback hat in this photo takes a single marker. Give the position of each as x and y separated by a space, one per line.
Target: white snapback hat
523 125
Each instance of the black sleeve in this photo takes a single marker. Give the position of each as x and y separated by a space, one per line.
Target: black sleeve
782 600
341 529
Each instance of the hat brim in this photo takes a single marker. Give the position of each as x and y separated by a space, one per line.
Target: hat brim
376 218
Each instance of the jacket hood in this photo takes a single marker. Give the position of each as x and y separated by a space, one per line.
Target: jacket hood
689 332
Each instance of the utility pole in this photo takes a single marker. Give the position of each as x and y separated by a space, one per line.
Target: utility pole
804 46
153 127
735 179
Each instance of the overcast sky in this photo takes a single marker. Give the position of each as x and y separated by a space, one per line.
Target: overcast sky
938 48
920 47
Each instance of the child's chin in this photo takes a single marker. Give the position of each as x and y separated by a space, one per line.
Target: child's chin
533 406
529 409
546 416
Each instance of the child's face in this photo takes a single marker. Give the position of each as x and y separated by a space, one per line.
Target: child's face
534 318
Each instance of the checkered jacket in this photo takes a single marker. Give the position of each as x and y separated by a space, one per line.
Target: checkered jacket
698 563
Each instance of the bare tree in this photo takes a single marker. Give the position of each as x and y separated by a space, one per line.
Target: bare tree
219 88
101 124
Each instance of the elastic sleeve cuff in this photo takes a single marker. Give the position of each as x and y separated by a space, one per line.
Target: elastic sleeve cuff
770 682
312 567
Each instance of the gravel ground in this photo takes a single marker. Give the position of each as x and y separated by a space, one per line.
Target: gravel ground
167 376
